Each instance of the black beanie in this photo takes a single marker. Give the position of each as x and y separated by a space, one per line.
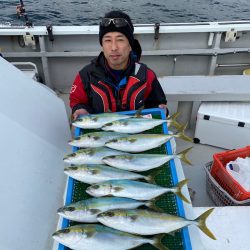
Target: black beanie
126 30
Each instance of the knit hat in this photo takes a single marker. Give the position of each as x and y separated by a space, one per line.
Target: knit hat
127 30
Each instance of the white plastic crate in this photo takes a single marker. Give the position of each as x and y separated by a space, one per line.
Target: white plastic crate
223 124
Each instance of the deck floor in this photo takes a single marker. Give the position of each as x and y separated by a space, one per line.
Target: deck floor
199 156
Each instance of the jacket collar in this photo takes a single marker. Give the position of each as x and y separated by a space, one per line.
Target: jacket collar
101 71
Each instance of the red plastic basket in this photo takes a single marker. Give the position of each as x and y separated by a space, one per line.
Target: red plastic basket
226 181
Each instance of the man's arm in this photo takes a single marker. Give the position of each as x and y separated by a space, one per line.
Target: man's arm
79 101
154 96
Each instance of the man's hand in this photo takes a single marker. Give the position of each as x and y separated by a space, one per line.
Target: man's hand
164 106
79 112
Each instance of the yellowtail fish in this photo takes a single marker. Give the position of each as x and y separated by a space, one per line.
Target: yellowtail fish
94 140
95 121
146 222
138 125
132 125
87 210
134 189
143 142
143 162
99 237
90 155
97 173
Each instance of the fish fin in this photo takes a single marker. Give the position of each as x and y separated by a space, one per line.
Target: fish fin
183 156
201 220
117 189
138 112
96 138
108 124
157 242
151 177
182 136
93 171
90 234
94 211
95 119
90 151
151 204
176 124
183 127
131 139
133 217
179 189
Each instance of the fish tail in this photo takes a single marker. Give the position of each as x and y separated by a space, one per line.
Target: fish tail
179 190
151 177
201 220
152 204
173 121
157 242
173 116
182 136
176 124
138 112
183 156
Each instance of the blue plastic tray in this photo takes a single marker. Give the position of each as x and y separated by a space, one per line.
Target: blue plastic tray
186 243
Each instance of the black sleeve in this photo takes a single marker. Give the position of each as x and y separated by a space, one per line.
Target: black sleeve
156 97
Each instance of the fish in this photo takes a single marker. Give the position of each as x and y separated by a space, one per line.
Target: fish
87 210
143 162
96 121
146 222
171 121
138 125
142 142
132 125
95 173
90 155
99 237
94 140
134 189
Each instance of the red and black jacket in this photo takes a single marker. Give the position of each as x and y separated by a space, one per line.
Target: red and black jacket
94 88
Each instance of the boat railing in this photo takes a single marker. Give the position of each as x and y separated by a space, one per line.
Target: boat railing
185 93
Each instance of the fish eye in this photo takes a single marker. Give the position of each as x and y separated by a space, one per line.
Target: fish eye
95 186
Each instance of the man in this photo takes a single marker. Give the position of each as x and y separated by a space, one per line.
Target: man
115 80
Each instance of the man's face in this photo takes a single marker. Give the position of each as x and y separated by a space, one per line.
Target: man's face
116 49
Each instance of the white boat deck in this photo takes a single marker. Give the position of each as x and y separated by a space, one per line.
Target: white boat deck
230 224
199 156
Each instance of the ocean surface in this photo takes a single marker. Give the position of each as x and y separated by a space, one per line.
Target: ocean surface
76 12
